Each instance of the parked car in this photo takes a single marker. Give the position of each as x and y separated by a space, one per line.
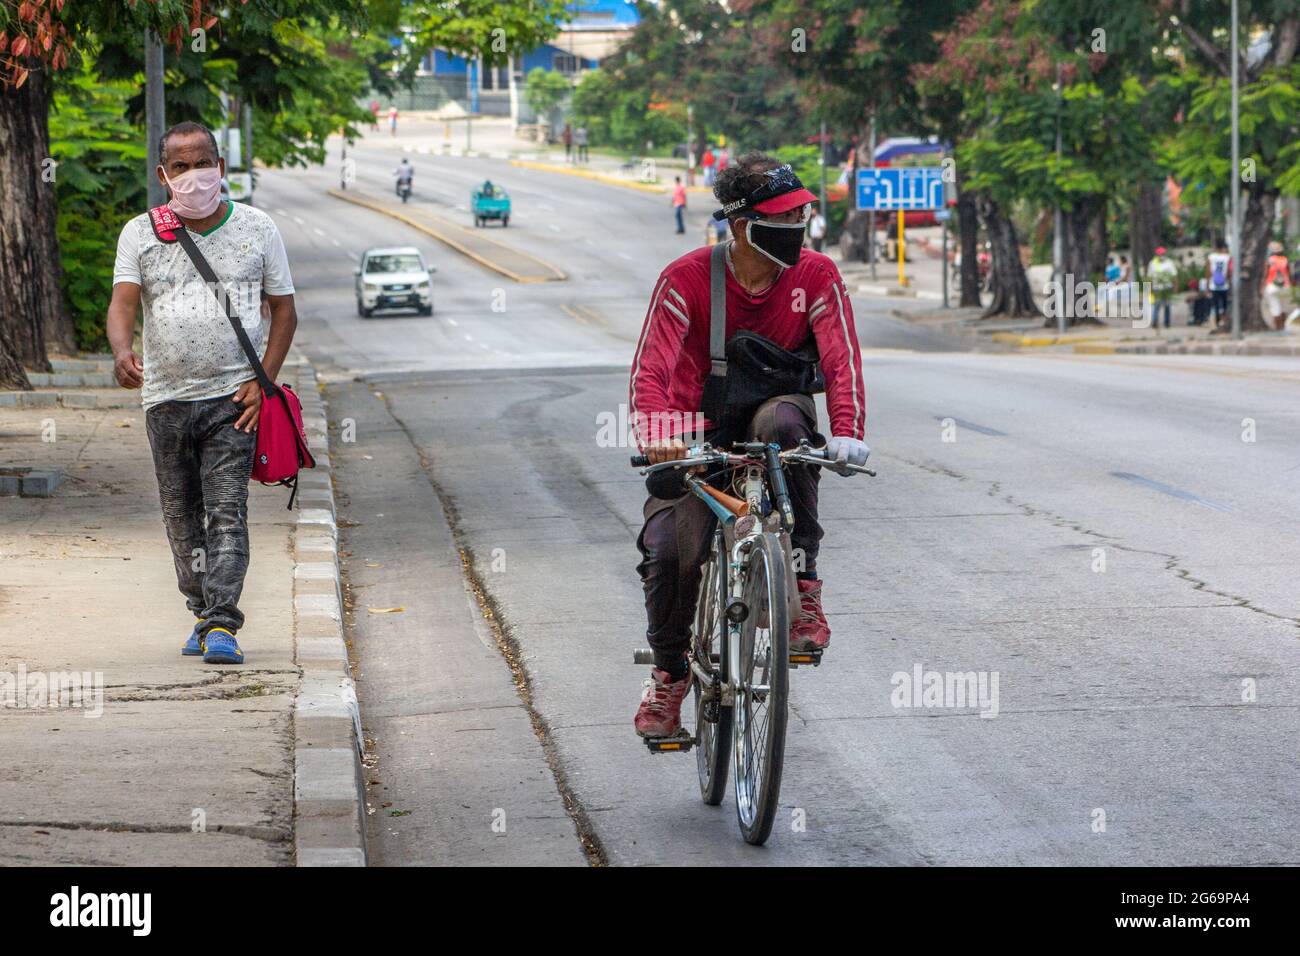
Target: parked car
394 277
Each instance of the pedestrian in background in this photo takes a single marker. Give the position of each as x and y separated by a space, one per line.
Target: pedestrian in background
709 162
1277 277
1218 275
580 139
392 120
817 229
679 204
1161 272
1110 288
374 114
567 138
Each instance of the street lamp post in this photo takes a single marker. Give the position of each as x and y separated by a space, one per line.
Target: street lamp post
155 112
1234 184
690 145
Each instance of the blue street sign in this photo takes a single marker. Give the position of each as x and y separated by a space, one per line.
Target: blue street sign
907 187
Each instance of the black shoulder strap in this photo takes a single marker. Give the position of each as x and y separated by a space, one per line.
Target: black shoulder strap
718 310
214 284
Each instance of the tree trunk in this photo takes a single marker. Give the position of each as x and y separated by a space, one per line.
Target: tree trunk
969 230
1146 224
32 316
1011 295
1098 241
1079 260
1256 230
12 376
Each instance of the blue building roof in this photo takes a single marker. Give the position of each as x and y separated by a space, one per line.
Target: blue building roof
602 13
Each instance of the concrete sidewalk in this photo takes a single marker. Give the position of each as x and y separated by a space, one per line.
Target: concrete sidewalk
167 761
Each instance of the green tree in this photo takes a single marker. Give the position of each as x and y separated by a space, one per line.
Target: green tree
98 183
545 91
1270 120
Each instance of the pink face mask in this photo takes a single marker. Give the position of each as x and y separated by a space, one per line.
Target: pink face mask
197 193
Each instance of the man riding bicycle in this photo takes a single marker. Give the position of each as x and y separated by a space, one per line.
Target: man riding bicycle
795 300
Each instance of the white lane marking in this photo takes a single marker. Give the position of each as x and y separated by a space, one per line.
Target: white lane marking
544 207
453 322
299 220
337 243
624 255
282 212
462 209
318 230
554 227
484 347
469 338
587 241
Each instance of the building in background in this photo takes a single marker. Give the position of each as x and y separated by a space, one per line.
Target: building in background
459 85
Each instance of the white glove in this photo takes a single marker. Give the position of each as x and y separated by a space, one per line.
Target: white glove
850 451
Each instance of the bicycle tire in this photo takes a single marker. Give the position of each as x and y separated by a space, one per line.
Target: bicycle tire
713 737
759 761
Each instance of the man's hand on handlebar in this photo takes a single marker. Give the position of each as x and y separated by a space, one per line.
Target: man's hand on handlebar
665 449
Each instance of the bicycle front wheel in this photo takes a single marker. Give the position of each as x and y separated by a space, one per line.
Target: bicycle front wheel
762 690
712 719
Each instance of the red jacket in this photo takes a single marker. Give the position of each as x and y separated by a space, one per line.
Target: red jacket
672 355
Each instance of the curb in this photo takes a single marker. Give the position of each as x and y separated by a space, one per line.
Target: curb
1043 341
51 399
894 292
1195 348
558 274
328 789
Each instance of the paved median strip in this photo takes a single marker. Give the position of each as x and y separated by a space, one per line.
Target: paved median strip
514 264
590 174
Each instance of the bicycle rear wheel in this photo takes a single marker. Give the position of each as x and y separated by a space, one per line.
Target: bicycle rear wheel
712 719
762 690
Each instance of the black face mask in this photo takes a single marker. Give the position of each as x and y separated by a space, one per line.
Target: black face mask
781 242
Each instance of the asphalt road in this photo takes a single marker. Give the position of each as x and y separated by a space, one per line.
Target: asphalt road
1093 533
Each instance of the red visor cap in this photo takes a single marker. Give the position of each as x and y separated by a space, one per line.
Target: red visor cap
785 202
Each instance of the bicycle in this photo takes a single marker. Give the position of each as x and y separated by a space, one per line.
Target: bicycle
747 599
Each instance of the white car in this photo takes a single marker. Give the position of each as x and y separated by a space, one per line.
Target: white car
394 277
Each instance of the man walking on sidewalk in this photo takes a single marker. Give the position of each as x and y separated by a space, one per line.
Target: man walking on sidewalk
580 140
679 204
200 398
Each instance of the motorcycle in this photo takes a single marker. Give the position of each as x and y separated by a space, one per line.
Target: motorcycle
404 189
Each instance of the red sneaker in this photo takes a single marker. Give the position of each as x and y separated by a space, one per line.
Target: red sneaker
810 632
660 713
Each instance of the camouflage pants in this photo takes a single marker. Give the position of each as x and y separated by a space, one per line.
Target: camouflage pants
203 465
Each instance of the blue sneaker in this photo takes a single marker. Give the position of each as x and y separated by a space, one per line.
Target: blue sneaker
220 647
194 646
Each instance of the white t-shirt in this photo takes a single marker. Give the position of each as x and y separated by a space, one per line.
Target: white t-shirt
1219 261
190 351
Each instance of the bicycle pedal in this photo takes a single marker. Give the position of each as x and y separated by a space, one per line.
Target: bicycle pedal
806 658
680 742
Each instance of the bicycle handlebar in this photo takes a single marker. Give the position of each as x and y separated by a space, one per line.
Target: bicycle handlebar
803 455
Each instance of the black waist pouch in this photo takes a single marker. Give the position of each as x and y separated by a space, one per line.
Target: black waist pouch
758 369
748 369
